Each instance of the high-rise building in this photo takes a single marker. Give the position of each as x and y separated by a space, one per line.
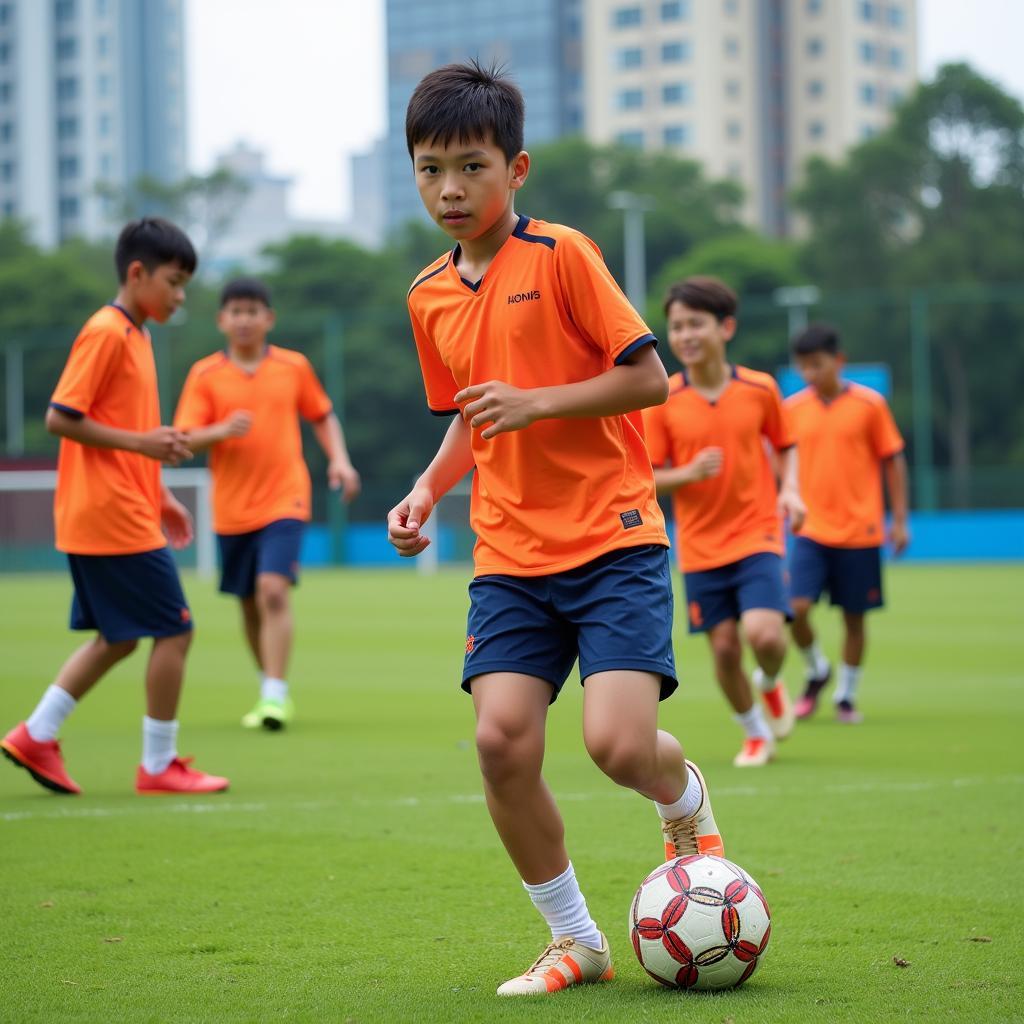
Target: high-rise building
91 92
750 88
539 41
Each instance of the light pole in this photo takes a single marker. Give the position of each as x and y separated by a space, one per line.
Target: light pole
795 301
634 207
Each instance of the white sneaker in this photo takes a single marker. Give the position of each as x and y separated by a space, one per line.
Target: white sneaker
564 962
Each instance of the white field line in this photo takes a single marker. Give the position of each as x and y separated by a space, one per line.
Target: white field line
217 806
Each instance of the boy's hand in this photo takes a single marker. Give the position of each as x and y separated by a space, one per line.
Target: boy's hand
176 521
899 536
342 476
792 506
502 405
706 464
405 520
165 444
237 424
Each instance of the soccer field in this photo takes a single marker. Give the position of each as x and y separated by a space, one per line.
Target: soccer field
352 874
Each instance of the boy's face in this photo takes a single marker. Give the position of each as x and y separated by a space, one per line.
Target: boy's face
158 293
697 336
467 187
820 370
245 322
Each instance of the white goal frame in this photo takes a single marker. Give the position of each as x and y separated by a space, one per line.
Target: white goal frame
205 540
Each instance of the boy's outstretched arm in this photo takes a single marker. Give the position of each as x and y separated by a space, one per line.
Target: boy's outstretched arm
636 383
454 459
896 483
165 444
236 425
341 474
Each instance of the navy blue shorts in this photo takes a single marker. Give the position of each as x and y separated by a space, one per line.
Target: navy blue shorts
715 595
126 597
852 576
613 613
273 548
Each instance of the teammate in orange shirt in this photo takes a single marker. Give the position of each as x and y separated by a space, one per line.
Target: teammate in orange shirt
847 439
707 444
245 404
112 513
524 337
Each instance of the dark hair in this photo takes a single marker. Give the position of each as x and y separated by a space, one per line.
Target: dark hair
153 241
704 293
466 102
245 288
816 338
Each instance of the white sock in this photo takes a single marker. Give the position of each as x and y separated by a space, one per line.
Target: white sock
814 659
754 724
44 723
762 680
846 688
687 804
563 907
273 689
159 744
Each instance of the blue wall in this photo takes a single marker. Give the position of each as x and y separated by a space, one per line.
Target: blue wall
996 536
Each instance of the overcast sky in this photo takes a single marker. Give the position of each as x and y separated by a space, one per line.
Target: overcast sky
304 79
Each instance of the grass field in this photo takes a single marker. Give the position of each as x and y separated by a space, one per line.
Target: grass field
351 874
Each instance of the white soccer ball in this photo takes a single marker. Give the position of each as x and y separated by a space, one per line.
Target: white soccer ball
699 922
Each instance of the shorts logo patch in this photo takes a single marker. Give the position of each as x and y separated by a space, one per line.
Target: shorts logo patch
631 519
874 594
696 616
186 615
470 643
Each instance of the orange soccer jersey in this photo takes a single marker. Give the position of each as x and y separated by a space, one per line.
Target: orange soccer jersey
262 476
842 444
727 517
547 312
108 500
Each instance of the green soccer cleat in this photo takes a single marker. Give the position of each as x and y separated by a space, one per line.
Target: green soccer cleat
269 714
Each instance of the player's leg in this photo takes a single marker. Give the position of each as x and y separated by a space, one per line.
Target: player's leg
857 590
854 642
251 628
808 575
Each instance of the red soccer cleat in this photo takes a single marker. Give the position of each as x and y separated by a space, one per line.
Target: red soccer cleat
178 778
42 760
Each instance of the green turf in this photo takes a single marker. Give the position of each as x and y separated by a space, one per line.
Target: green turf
352 874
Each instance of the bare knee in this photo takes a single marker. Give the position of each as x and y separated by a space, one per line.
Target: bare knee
801 608
766 638
726 650
116 650
272 594
626 760
507 750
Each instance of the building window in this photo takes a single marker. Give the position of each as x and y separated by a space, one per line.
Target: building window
732 46
106 165
103 85
7 171
5 13
732 88
67 168
816 129
67 128
630 99
6 131
815 46
675 10
895 97
815 88
10 209
895 17
868 52
68 206
733 130
67 88
67 48
626 17
629 57
868 94
868 10
675 93
6 91
675 53
102 8
896 57
5 52
65 10
631 138
868 131
814 6
103 45
676 134
732 7
735 170
103 125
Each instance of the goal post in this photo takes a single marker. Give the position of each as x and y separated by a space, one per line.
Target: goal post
26 517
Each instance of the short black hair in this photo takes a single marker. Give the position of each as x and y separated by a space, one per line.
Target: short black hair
816 338
245 288
466 102
153 241
704 293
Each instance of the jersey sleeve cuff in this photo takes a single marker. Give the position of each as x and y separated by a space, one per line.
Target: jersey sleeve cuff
646 339
444 412
75 414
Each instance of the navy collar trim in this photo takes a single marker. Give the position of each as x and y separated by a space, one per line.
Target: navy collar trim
125 313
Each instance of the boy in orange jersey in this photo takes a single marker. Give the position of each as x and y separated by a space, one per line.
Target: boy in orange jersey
707 444
524 337
244 404
847 439
112 513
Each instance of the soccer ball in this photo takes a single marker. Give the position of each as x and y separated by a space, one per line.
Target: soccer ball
699 922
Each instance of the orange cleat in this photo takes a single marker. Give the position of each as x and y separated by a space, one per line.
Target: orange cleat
41 759
686 837
178 778
756 751
781 717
